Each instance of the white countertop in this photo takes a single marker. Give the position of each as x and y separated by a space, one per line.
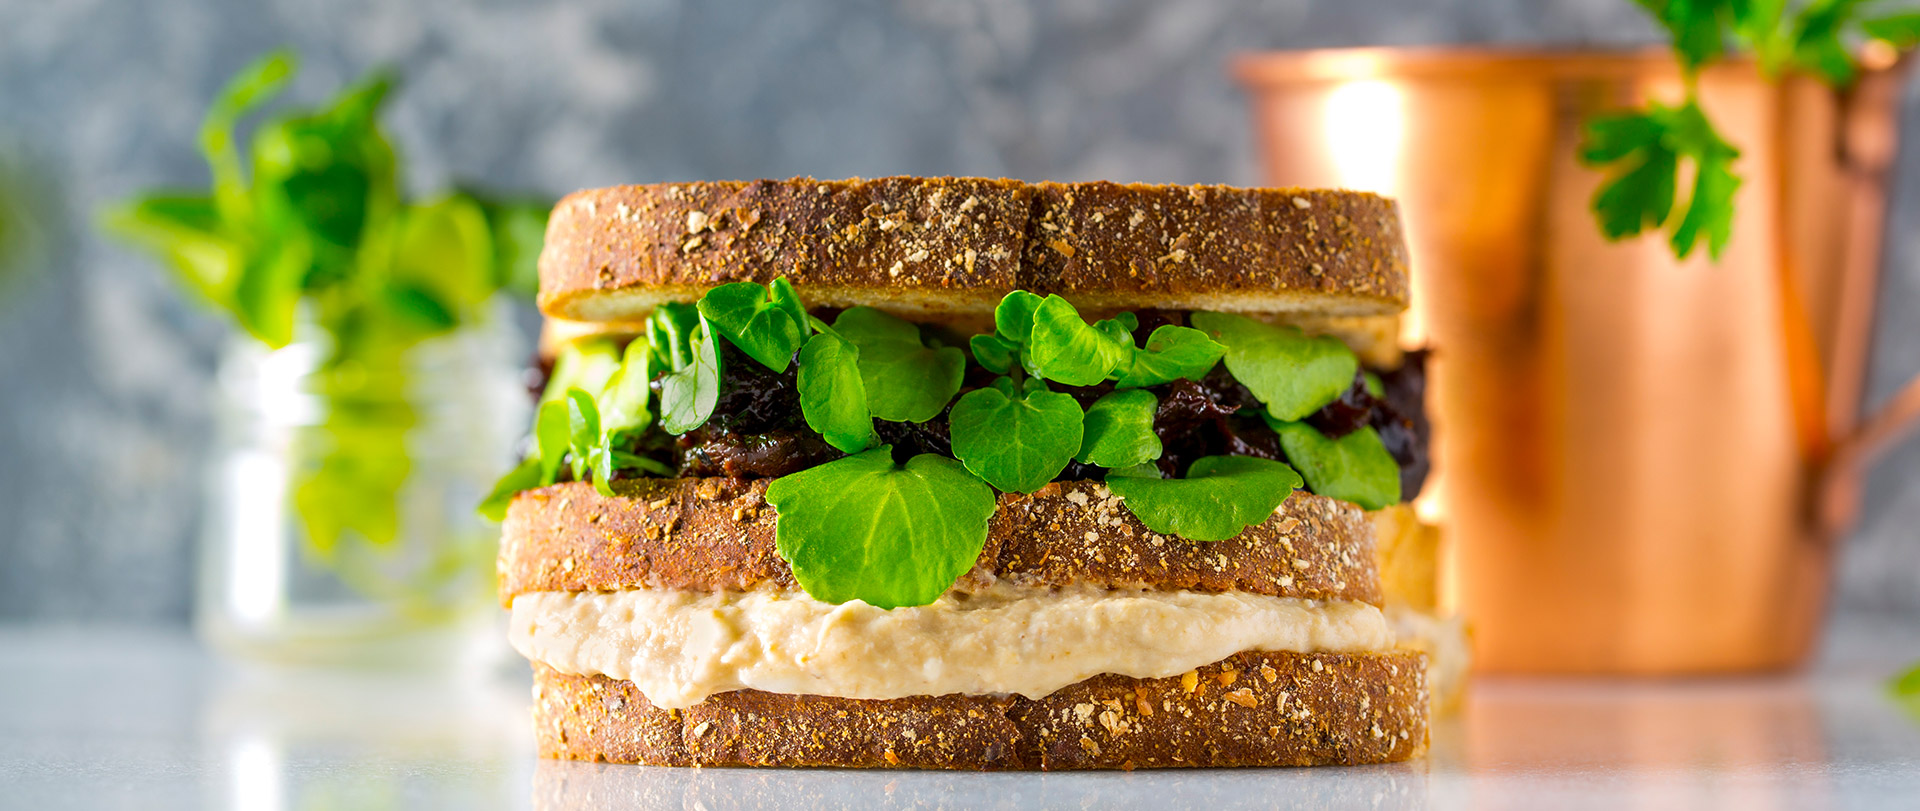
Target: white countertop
97 718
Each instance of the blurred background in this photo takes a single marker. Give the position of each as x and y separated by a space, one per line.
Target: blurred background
106 367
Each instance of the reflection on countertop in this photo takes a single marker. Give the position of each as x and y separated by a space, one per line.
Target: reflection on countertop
145 719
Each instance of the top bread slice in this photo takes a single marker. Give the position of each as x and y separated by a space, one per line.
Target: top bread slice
930 248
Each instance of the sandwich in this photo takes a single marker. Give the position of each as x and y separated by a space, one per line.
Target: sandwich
954 473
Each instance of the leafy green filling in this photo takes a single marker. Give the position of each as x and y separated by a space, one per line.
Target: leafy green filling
867 527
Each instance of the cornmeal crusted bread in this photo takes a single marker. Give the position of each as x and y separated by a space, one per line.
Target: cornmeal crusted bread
922 247
1252 709
716 534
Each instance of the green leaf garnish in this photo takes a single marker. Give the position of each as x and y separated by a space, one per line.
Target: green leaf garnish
1219 498
833 400
992 352
1013 317
524 476
1016 440
689 392
1645 150
1355 467
623 397
767 323
1065 349
588 364
864 528
905 380
583 431
1119 430
552 433
1292 374
1172 353
1375 386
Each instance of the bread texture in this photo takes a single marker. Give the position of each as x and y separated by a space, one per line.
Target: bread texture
716 534
1251 709
926 248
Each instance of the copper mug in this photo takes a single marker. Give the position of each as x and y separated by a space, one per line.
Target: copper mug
1643 465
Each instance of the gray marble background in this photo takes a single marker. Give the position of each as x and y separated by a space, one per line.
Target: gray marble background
105 368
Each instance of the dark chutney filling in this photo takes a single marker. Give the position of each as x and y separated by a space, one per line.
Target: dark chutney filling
757 431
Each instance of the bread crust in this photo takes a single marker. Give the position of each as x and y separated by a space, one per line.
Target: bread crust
717 534
1251 709
919 246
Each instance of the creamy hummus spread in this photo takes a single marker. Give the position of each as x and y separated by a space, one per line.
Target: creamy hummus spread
679 647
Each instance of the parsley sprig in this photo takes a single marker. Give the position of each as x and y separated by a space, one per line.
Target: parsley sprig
894 533
309 230
1646 152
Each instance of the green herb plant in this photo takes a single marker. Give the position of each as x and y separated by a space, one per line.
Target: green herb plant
307 235
898 532
1648 152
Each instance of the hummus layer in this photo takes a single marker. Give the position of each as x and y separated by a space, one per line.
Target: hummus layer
678 647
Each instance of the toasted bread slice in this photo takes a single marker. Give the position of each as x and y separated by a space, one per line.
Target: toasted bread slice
927 248
716 534
1252 709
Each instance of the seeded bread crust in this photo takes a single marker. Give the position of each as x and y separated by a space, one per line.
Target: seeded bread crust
923 247
716 534
1251 709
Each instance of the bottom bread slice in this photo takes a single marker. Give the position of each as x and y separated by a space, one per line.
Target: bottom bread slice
1251 709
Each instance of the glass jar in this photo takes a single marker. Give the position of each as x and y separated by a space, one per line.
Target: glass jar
344 533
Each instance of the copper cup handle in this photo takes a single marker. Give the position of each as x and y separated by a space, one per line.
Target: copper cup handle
1867 146
1879 433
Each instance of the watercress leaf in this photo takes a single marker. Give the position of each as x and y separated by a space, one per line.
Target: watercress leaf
688 394
633 461
1294 375
1355 467
748 315
603 466
524 476
906 381
783 297
992 352
670 334
1118 430
1375 386
583 435
1016 441
623 399
864 528
587 364
833 400
1172 353
1219 498
1013 318
1116 329
552 433
1144 470
1063 348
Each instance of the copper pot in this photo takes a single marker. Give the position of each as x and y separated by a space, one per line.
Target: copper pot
1644 464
